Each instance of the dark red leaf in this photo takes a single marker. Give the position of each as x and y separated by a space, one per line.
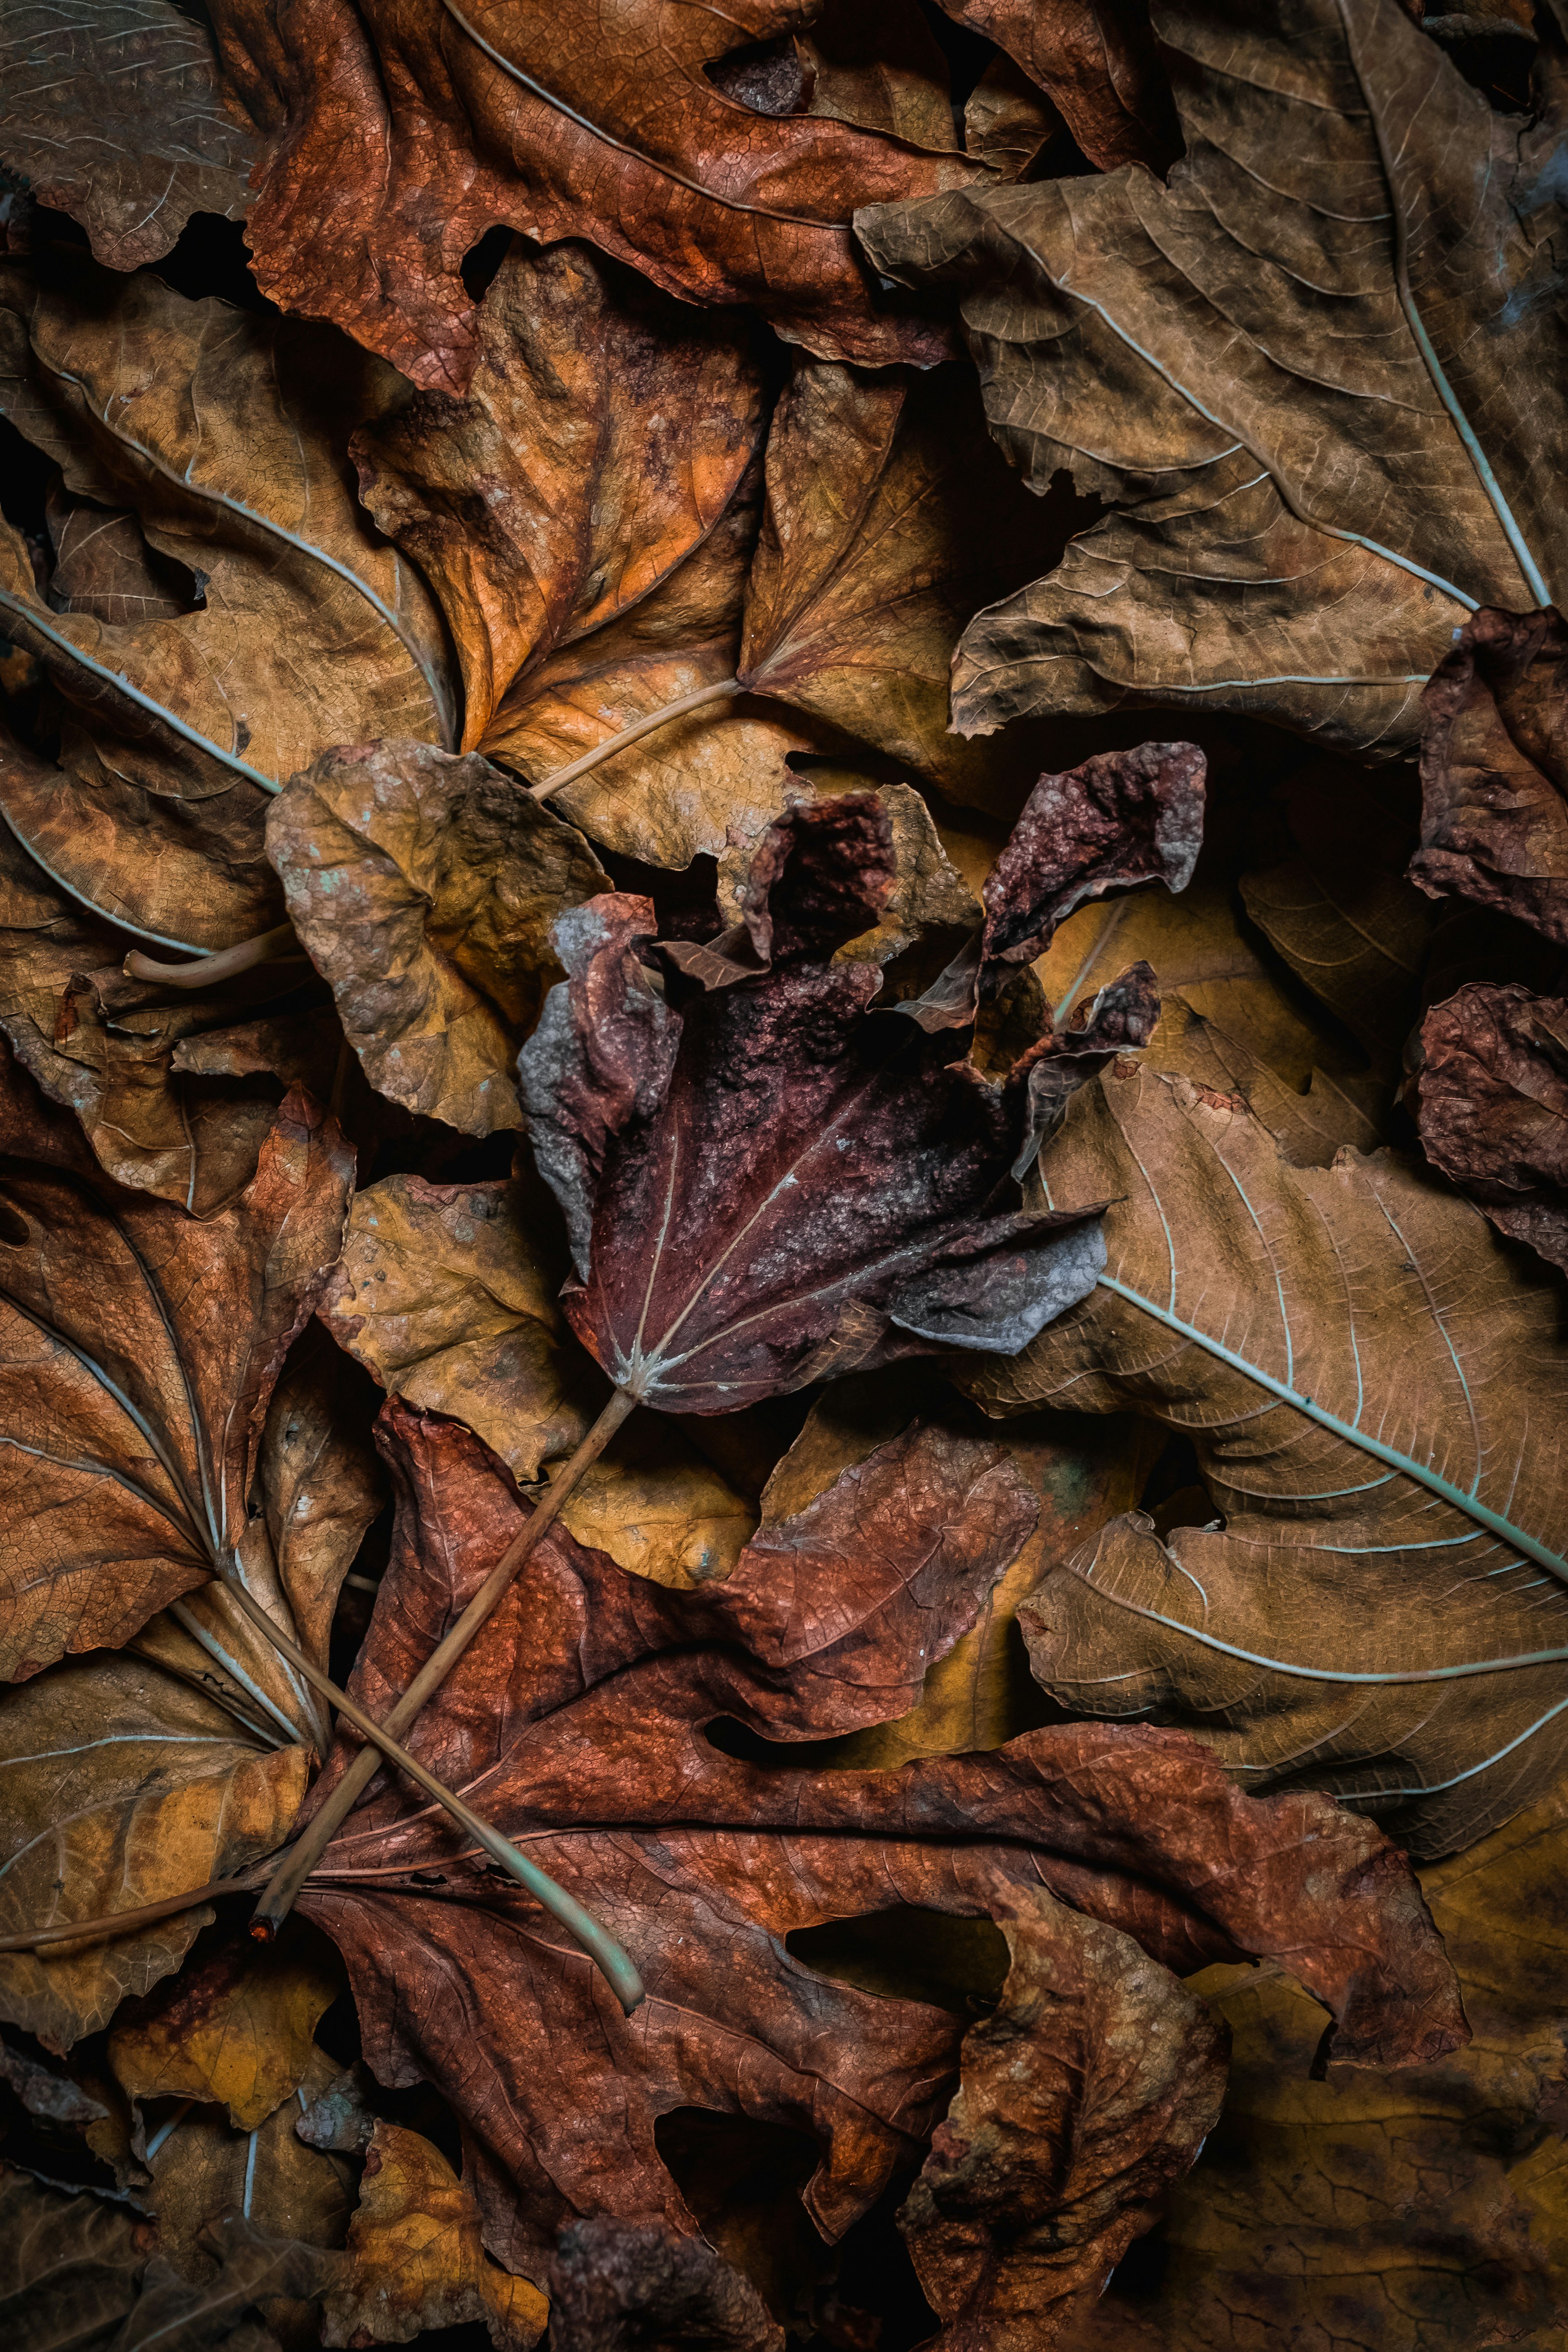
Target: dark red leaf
1493 1093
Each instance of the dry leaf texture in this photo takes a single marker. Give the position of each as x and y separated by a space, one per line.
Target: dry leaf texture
1493 1095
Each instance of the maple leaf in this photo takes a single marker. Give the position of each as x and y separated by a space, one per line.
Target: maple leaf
365 204
1493 1087
579 1713
1302 389
1376 1604
761 1188
219 438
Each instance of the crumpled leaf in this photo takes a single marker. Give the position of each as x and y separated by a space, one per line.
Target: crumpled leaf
117 116
70 2266
449 1295
138 1352
1317 373
581 1710
237 2031
1492 1087
1424 2212
225 434
251 2270
1494 770
123 1783
414 2259
614 2285
367 203
423 888
1310 1633
760 1188
1097 60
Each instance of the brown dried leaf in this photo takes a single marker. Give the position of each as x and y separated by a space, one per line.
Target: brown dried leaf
1097 62
1493 1087
236 2031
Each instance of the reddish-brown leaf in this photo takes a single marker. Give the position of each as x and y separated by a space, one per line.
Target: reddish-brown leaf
1493 1094
580 1720
1097 59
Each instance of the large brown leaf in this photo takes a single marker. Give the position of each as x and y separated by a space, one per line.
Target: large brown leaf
1492 1089
139 1348
1318 374
764 1187
581 1717
404 132
117 115
1370 1383
225 435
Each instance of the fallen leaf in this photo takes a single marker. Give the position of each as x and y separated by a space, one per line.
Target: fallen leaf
579 1713
1301 385
1494 778
367 205
616 2284
70 2266
722 1255
876 63
1008 122
1492 1086
423 888
138 1351
249 2273
448 1294
117 115
414 2258
237 2031
225 434
1097 62
124 1784
1372 1609
1424 2212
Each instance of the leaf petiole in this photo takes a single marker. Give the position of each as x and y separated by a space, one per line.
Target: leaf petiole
267 947
634 733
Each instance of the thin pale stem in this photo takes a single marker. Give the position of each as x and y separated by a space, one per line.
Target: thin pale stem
121 1923
600 1946
267 947
278 1897
634 733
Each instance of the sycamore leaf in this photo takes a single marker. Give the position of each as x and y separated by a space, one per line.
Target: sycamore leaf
1370 1382
414 2258
366 203
763 1187
580 1715
117 116
1425 2213
237 2031
225 434
1493 1087
1318 374
423 888
1098 61
138 1352
123 1783
1494 770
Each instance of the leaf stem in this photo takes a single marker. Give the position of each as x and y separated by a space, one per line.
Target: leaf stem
632 734
120 1922
278 1897
267 947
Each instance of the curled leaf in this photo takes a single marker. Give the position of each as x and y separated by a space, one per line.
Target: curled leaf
1493 1087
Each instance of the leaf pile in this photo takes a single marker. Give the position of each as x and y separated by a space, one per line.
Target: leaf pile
784 1174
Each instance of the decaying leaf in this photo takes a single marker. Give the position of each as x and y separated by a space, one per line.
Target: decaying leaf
1317 373
1493 1087
225 434
424 886
1494 770
70 2266
616 2284
121 1784
1422 2212
236 2031
1374 1610
414 2258
762 1188
367 202
118 116
1097 60
583 1711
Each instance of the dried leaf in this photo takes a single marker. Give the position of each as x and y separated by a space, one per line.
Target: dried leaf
1317 373
1494 777
581 1708
414 2259
236 2031
227 435
1493 1094
367 203
138 1351
1097 60
123 1784
614 2285
1351 1618
425 886
876 63
117 116
1423 2213
70 2266
251 2271
1008 122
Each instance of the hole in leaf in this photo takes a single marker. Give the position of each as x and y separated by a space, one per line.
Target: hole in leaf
909 1954
765 76
1175 1494
483 259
